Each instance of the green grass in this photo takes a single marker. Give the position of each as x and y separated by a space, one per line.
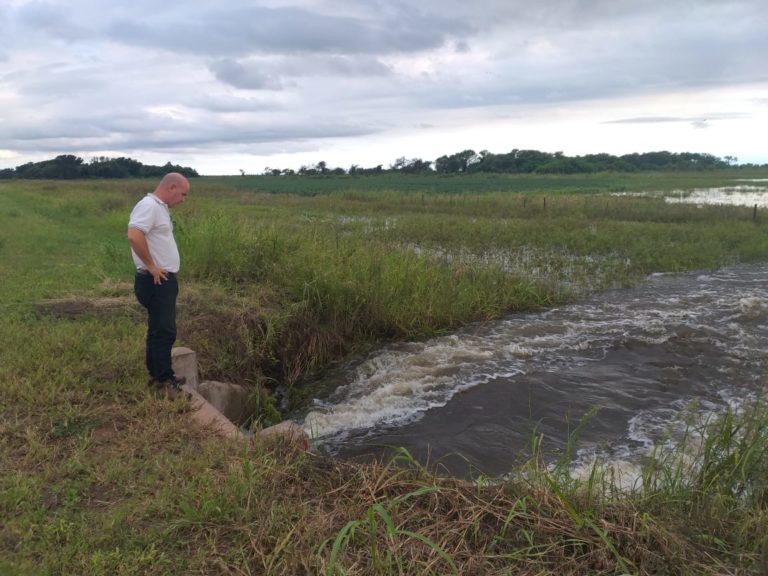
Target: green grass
99 477
470 184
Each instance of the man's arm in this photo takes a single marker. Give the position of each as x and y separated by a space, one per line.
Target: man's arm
139 244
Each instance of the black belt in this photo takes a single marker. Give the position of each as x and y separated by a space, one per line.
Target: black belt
145 272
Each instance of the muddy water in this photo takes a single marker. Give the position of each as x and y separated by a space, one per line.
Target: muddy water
650 359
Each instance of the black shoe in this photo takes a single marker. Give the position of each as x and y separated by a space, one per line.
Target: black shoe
174 381
170 388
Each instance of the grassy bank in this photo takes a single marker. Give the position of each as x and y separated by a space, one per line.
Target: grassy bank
98 477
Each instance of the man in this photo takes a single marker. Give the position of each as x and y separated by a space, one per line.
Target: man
154 251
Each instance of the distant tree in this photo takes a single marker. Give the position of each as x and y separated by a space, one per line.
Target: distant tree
103 167
168 167
459 162
69 166
66 166
378 169
664 160
411 166
27 170
398 163
467 161
307 171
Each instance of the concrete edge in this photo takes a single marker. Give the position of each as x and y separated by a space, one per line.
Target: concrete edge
205 414
208 416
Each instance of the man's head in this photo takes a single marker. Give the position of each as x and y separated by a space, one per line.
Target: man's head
172 189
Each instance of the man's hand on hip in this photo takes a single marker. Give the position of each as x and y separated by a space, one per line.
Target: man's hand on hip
158 274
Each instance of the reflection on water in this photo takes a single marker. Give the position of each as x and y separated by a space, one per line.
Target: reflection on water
745 195
740 195
649 358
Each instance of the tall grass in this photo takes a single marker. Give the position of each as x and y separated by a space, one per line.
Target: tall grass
346 289
722 463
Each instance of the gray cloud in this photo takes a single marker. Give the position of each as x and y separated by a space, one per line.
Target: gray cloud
94 76
597 62
698 122
244 76
264 73
668 119
230 104
555 16
148 131
331 65
51 19
652 120
237 31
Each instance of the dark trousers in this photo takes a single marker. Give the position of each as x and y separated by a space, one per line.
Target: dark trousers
160 302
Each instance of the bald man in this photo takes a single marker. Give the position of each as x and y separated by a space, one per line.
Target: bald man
154 251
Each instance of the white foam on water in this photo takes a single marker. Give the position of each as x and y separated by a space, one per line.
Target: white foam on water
625 475
394 387
673 434
753 307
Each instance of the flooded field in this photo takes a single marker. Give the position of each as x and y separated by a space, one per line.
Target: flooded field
750 193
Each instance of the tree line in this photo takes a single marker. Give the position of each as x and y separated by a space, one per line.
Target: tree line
529 162
516 161
68 166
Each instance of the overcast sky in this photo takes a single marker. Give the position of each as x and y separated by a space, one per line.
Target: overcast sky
228 85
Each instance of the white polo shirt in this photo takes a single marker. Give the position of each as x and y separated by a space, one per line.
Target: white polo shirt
153 218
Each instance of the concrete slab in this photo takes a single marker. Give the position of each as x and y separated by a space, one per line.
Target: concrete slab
184 361
207 416
229 399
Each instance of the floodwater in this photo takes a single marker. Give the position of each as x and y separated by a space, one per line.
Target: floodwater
748 192
648 358
678 349
741 195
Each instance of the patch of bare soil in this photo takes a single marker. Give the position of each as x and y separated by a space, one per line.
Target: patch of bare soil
76 306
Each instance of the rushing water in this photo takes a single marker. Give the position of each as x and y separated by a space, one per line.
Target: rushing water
648 358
